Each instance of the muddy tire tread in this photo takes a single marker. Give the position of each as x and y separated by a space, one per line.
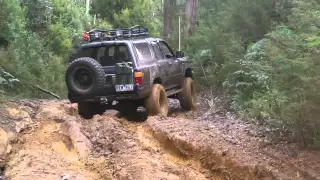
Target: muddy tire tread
186 96
154 104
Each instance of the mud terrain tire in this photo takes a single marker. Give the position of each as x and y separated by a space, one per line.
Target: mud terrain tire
88 109
157 102
127 108
187 96
85 77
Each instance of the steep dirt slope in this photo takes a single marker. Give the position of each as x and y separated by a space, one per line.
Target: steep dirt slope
47 140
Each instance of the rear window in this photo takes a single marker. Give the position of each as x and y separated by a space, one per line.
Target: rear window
143 51
107 55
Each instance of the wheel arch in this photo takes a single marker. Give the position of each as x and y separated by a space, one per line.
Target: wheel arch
157 80
189 73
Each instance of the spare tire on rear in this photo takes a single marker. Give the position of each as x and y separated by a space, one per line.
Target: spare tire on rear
85 77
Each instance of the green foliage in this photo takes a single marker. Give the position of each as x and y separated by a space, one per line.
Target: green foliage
38 50
59 39
264 59
225 32
70 14
39 14
136 15
38 36
108 8
34 66
12 19
102 24
129 13
297 78
7 81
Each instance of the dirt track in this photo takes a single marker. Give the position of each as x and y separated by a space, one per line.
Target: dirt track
47 140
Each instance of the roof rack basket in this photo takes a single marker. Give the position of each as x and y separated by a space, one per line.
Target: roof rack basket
116 34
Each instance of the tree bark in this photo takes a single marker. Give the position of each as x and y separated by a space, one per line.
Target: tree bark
191 10
274 3
168 15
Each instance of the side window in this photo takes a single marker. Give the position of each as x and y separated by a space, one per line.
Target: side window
157 50
143 51
88 52
111 51
101 53
165 49
123 48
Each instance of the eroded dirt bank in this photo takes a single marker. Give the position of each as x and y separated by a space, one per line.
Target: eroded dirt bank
47 140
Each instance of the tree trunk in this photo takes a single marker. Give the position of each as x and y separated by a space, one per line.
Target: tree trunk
274 3
191 10
168 15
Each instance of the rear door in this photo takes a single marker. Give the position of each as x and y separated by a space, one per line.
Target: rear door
174 67
162 63
151 64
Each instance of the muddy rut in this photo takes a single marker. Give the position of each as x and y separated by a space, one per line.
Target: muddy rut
47 140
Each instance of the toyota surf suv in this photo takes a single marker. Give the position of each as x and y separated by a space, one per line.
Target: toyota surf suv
124 69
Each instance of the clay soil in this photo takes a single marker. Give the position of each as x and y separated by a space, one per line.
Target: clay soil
48 140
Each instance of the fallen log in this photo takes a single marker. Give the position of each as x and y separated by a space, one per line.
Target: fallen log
46 91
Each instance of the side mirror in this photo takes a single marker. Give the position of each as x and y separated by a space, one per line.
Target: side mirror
179 54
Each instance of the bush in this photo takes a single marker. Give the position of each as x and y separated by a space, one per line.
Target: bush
264 60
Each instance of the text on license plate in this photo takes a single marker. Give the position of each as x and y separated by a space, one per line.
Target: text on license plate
124 87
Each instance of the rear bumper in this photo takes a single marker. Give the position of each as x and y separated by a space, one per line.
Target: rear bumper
138 93
106 99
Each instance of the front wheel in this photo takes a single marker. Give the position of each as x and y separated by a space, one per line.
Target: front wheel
187 96
157 102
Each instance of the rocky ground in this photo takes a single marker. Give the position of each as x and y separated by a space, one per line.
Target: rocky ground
48 140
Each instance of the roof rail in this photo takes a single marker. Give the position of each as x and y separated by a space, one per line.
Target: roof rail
116 34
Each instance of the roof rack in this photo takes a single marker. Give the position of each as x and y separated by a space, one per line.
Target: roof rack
116 34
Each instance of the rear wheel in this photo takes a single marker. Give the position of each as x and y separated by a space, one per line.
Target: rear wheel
157 102
187 96
127 108
88 109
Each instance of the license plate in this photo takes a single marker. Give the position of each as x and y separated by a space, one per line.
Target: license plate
124 87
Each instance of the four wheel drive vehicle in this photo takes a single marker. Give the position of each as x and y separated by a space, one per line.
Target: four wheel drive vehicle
123 69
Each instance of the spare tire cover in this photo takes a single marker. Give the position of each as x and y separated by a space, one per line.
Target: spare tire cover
86 77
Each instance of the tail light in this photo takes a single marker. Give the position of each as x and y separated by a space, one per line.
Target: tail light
138 78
